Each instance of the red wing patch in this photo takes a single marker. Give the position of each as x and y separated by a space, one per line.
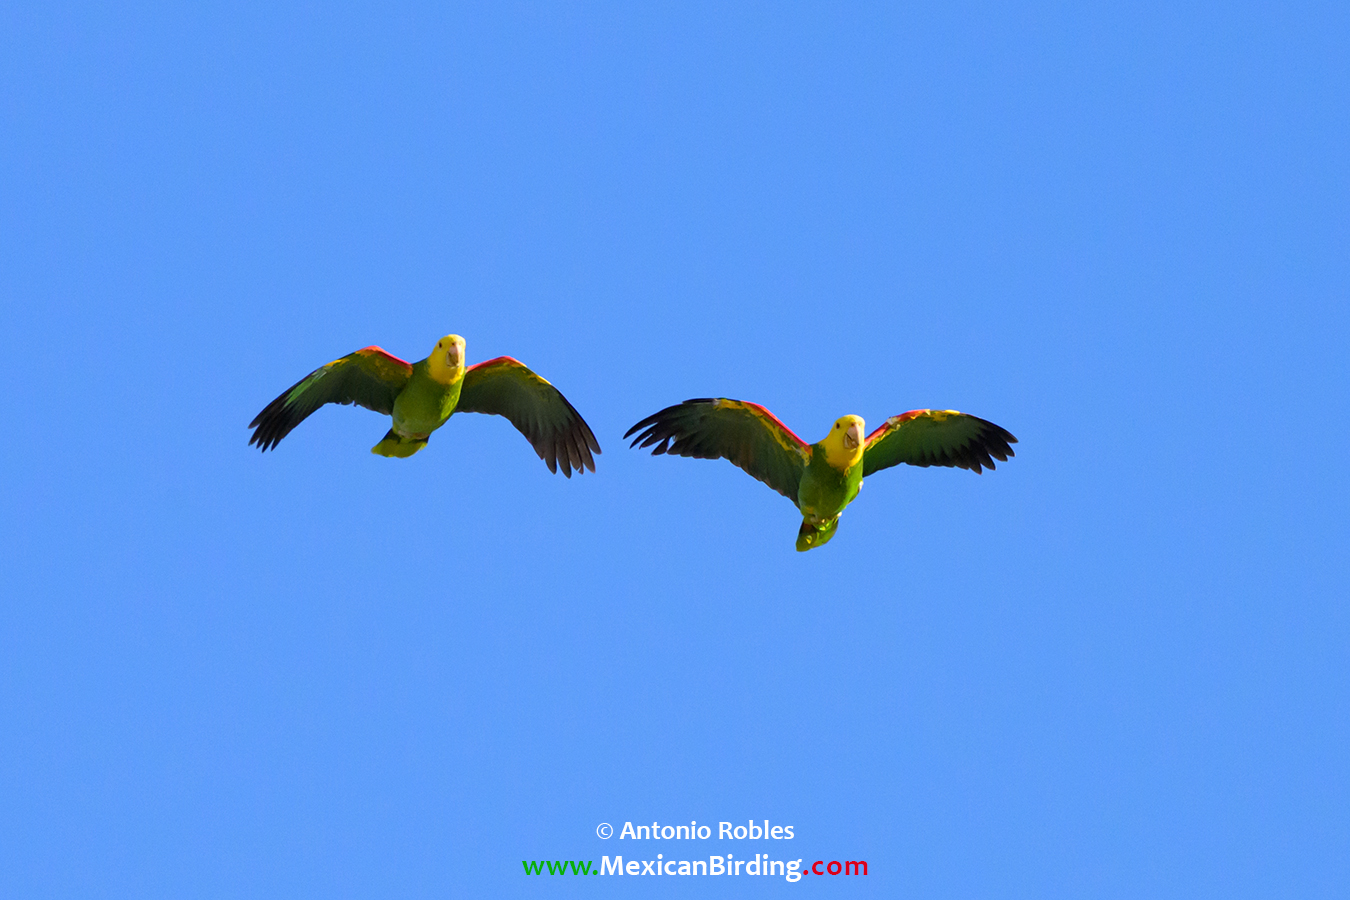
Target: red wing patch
890 424
500 359
373 350
764 413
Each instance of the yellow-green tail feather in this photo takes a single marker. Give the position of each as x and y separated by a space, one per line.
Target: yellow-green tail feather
395 446
813 536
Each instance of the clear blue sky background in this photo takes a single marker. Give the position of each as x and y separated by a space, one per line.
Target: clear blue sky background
1116 667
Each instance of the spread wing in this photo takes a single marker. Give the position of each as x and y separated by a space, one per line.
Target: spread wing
506 387
369 377
936 437
747 434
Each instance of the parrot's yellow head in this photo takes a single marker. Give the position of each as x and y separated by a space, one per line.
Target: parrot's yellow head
844 444
446 362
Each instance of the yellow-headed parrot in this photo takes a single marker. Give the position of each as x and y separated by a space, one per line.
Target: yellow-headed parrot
421 396
821 478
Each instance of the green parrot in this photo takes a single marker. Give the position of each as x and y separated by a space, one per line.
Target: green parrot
421 396
821 478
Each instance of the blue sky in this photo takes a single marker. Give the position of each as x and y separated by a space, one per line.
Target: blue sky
1115 667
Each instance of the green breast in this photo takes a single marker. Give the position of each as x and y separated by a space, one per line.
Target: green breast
425 403
824 490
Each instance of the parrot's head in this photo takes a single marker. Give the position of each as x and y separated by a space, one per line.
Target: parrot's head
844 444
447 359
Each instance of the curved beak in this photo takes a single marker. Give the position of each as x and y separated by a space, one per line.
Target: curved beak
853 437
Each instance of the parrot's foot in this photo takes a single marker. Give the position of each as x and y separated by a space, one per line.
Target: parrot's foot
812 536
395 445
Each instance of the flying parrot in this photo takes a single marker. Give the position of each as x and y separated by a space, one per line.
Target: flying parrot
421 396
824 477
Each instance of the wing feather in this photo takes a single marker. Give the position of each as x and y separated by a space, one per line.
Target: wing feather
506 387
745 434
370 377
937 437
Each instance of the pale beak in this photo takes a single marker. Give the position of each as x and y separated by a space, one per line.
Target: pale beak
853 437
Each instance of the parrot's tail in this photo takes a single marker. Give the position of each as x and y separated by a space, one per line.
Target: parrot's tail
812 536
396 445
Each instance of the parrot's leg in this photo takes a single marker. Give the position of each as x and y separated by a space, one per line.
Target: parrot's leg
398 446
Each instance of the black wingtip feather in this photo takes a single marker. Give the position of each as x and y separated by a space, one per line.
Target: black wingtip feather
276 420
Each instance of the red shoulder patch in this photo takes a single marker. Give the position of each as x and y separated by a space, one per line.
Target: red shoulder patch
500 359
891 423
373 350
761 411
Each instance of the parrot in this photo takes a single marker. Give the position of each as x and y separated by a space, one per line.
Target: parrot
422 396
823 478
